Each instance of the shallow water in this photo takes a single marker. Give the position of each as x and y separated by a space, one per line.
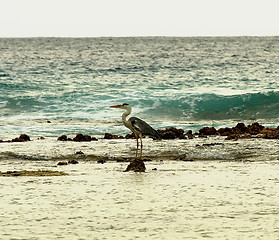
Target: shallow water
182 200
210 148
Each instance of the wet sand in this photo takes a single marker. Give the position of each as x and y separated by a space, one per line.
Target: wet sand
179 200
210 148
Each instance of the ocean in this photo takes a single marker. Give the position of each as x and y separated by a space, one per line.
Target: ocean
168 81
64 86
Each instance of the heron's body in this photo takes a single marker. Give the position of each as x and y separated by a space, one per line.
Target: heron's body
139 127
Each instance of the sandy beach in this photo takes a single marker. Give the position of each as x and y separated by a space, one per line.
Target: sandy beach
192 189
182 200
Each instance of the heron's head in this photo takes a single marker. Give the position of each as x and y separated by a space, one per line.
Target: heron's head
122 106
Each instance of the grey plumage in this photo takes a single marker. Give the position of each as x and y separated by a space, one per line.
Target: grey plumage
141 127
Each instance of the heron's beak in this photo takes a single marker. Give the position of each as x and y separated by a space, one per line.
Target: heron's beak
115 106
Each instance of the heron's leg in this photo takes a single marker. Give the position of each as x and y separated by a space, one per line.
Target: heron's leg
137 146
141 145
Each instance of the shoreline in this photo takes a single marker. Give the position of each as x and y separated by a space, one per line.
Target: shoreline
214 148
240 143
240 131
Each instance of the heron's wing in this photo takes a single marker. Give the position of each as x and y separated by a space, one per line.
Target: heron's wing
142 127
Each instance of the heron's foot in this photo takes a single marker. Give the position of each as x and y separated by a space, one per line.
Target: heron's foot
136 165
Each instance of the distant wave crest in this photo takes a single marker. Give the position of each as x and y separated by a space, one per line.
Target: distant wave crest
218 107
188 106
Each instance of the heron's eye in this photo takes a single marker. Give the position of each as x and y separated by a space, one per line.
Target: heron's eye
125 104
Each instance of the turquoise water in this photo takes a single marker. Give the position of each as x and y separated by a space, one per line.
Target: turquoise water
184 82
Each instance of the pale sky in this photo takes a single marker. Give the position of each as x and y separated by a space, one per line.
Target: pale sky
94 18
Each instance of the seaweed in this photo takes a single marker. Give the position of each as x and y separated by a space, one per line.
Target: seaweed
37 173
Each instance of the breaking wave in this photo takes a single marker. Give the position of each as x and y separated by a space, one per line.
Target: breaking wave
211 106
177 107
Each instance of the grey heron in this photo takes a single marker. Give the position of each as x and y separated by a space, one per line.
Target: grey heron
139 127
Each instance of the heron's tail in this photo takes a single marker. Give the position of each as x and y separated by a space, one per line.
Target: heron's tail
156 135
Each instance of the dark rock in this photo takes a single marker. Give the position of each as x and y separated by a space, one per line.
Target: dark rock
136 166
202 136
240 128
270 133
185 159
189 134
255 128
62 163
207 131
179 133
183 137
79 153
17 140
147 160
94 139
110 136
78 138
171 133
130 136
21 138
73 162
24 137
82 138
212 144
246 136
154 169
240 131
62 138
167 135
232 137
224 131
101 161
86 138
48 121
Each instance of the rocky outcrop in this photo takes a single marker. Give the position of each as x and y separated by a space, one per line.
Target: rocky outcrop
111 136
270 133
136 166
21 138
63 138
255 130
233 133
78 138
205 131
172 133
130 136
66 163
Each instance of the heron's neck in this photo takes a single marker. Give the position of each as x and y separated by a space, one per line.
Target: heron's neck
125 114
